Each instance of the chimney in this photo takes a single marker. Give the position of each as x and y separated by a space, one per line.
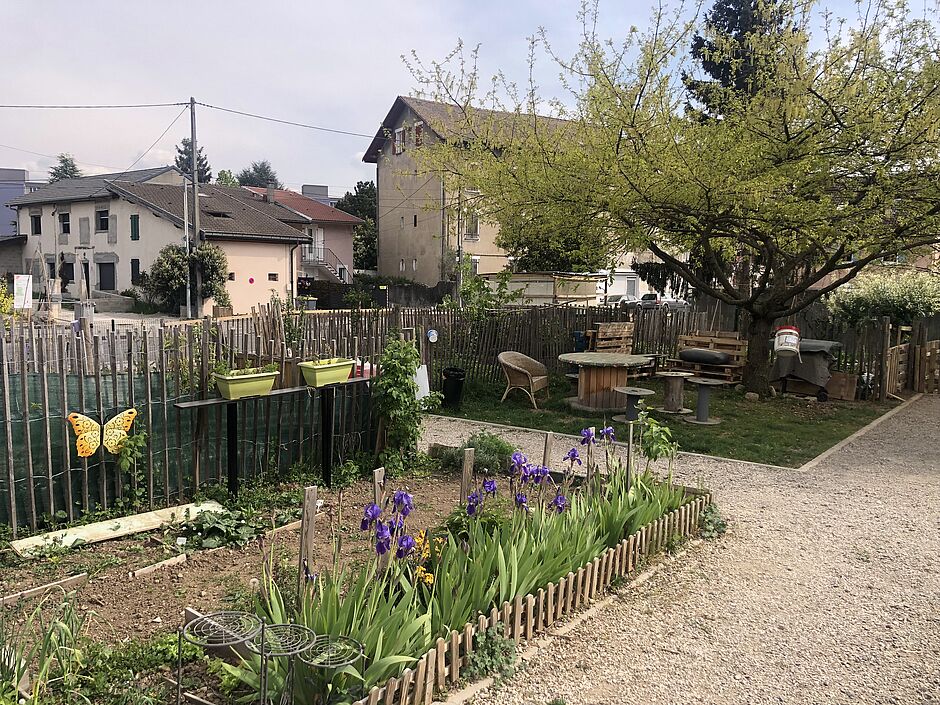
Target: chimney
269 193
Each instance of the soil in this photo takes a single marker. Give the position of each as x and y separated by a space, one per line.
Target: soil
121 608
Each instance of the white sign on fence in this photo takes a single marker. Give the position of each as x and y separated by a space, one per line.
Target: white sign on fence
22 291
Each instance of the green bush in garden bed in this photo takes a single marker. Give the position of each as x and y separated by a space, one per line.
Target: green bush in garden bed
420 588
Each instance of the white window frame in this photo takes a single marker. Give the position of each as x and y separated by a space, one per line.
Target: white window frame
401 265
399 141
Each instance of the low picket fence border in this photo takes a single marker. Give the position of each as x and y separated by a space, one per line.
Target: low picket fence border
533 614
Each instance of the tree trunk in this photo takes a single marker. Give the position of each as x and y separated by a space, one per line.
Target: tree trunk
757 363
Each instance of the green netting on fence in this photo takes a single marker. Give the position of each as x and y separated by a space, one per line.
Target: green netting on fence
186 449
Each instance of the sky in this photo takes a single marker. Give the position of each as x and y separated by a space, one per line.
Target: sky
330 64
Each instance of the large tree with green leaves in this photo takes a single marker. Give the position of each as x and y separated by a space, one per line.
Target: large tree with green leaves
65 168
259 174
184 161
830 162
362 203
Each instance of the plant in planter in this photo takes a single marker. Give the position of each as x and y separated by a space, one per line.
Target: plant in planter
244 382
331 370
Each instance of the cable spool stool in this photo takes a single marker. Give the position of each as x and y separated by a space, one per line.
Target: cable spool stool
674 394
704 386
634 396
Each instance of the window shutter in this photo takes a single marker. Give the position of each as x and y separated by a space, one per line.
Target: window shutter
112 230
84 231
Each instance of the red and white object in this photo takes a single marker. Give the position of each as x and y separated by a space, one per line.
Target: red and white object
787 341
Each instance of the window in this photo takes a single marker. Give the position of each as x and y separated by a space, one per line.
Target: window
399 145
415 220
401 266
419 134
101 221
231 276
475 265
471 226
65 223
135 270
402 222
414 265
272 276
35 222
343 273
106 277
135 227
51 270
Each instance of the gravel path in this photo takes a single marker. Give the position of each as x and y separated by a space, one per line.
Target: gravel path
826 588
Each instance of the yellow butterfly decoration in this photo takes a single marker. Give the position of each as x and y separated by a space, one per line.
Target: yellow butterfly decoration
90 435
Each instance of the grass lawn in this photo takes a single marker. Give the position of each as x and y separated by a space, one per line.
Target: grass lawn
778 431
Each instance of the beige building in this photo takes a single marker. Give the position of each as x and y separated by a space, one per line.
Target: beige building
101 232
419 237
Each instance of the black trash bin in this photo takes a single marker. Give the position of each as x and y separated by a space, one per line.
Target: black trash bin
453 386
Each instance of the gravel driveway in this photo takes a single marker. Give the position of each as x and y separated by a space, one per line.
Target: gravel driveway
826 588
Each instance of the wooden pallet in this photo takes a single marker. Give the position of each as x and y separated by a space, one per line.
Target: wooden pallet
729 343
614 338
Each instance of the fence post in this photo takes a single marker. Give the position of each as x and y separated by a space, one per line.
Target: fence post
885 347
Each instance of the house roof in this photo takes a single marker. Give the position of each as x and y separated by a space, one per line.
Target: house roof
85 188
448 121
223 213
313 209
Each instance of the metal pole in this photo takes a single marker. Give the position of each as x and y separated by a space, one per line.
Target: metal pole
195 174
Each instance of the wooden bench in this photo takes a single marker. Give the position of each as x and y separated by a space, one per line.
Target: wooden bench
730 343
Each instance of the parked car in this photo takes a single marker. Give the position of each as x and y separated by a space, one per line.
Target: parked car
628 302
662 301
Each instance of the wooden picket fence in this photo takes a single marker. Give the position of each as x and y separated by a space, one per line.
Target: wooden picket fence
528 616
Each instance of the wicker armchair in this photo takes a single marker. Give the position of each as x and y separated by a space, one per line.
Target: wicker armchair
522 372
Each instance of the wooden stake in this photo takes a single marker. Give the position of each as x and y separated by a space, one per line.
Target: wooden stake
547 453
306 536
378 485
467 474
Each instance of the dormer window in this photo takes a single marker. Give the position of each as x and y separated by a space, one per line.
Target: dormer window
419 134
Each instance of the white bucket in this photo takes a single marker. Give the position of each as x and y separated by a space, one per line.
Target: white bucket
787 341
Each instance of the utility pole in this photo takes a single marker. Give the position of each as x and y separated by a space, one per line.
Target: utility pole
189 303
195 170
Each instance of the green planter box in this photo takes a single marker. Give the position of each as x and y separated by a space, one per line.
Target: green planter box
257 384
333 370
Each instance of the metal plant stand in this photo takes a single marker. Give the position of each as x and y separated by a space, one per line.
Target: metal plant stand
280 641
332 653
220 629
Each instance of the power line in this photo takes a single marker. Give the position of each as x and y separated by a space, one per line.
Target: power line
286 122
53 156
93 107
154 143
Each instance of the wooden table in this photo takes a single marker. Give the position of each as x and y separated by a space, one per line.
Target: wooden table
598 374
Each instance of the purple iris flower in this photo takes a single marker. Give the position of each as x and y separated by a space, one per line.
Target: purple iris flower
607 433
573 456
539 473
308 576
370 515
406 545
396 523
522 502
404 503
383 539
519 461
560 503
587 437
489 486
473 502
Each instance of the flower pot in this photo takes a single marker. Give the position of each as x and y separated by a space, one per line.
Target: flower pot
236 386
320 373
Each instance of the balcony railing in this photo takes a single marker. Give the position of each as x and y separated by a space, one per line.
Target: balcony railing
323 256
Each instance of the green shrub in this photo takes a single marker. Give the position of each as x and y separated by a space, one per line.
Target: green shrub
493 655
491 454
902 297
710 522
